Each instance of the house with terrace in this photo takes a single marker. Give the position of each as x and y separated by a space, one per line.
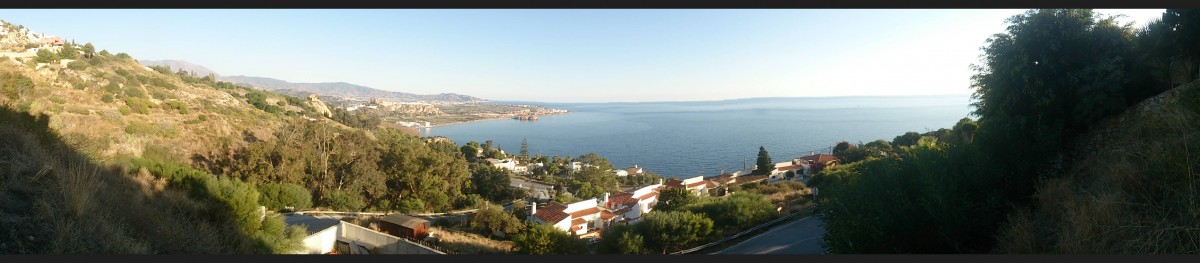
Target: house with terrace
581 218
629 207
697 184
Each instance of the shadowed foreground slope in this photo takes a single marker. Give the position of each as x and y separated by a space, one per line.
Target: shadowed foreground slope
55 200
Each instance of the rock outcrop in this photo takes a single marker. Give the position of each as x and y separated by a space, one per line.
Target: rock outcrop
315 102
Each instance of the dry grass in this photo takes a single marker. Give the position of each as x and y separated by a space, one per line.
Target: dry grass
1137 196
470 243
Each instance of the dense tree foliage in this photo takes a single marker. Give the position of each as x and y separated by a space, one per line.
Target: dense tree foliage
1044 81
763 164
668 231
491 219
542 239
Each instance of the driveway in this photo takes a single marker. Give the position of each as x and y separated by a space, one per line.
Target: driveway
798 237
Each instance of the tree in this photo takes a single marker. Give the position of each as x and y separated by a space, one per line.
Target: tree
276 196
88 49
764 164
491 182
672 199
470 151
621 239
45 56
524 150
540 239
1030 89
68 51
491 219
1185 23
742 209
488 145
841 147
674 230
907 139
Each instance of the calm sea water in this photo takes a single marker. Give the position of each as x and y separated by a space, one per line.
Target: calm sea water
682 139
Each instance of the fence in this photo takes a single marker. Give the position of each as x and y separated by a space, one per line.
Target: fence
752 229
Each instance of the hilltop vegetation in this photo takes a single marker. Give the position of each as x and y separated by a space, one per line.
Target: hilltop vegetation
1018 179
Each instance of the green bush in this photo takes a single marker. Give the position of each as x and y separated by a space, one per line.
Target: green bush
76 65
178 105
138 105
125 110
132 91
202 117
345 201
15 84
276 196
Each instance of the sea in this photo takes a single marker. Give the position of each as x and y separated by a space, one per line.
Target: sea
685 139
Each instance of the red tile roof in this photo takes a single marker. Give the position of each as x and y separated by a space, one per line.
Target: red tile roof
674 183
820 158
605 215
551 213
648 196
622 198
789 167
581 213
578 221
697 184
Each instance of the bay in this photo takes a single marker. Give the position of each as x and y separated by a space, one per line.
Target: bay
684 139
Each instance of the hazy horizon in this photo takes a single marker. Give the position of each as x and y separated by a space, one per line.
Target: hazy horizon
565 56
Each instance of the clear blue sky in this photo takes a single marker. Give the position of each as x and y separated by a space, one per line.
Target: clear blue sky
557 55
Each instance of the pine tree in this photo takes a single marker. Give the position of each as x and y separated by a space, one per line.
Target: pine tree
764 162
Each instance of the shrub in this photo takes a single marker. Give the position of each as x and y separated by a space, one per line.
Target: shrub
125 110
134 92
76 65
58 100
107 98
121 55
276 196
344 201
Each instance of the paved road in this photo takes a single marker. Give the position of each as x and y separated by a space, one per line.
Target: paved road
536 190
802 236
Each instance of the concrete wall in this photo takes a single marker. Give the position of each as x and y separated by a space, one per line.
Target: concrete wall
383 243
321 242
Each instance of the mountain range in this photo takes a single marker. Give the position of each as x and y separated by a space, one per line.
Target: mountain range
333 89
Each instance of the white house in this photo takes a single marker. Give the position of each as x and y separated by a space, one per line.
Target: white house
620 172
521 168
781 170
629 207
509 164
635 170
697 184
579 217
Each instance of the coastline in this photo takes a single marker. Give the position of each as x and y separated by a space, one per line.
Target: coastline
482 120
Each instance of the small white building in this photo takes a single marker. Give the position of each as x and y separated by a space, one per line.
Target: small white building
509 164
621 173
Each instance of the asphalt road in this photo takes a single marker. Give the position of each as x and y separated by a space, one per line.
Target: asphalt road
802 236
536 190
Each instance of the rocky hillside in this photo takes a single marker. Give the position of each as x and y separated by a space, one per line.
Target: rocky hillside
176 65
113 106
1132 190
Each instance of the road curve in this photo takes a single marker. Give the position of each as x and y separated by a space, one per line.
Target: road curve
803 236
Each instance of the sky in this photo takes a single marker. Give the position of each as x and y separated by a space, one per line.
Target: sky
565 55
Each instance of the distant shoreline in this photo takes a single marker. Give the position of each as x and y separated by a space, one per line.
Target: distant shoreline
482 120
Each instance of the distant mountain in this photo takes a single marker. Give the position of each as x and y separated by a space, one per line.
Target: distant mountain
176 65
338 89
343 89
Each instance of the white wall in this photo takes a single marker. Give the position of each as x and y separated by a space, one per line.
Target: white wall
321 242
